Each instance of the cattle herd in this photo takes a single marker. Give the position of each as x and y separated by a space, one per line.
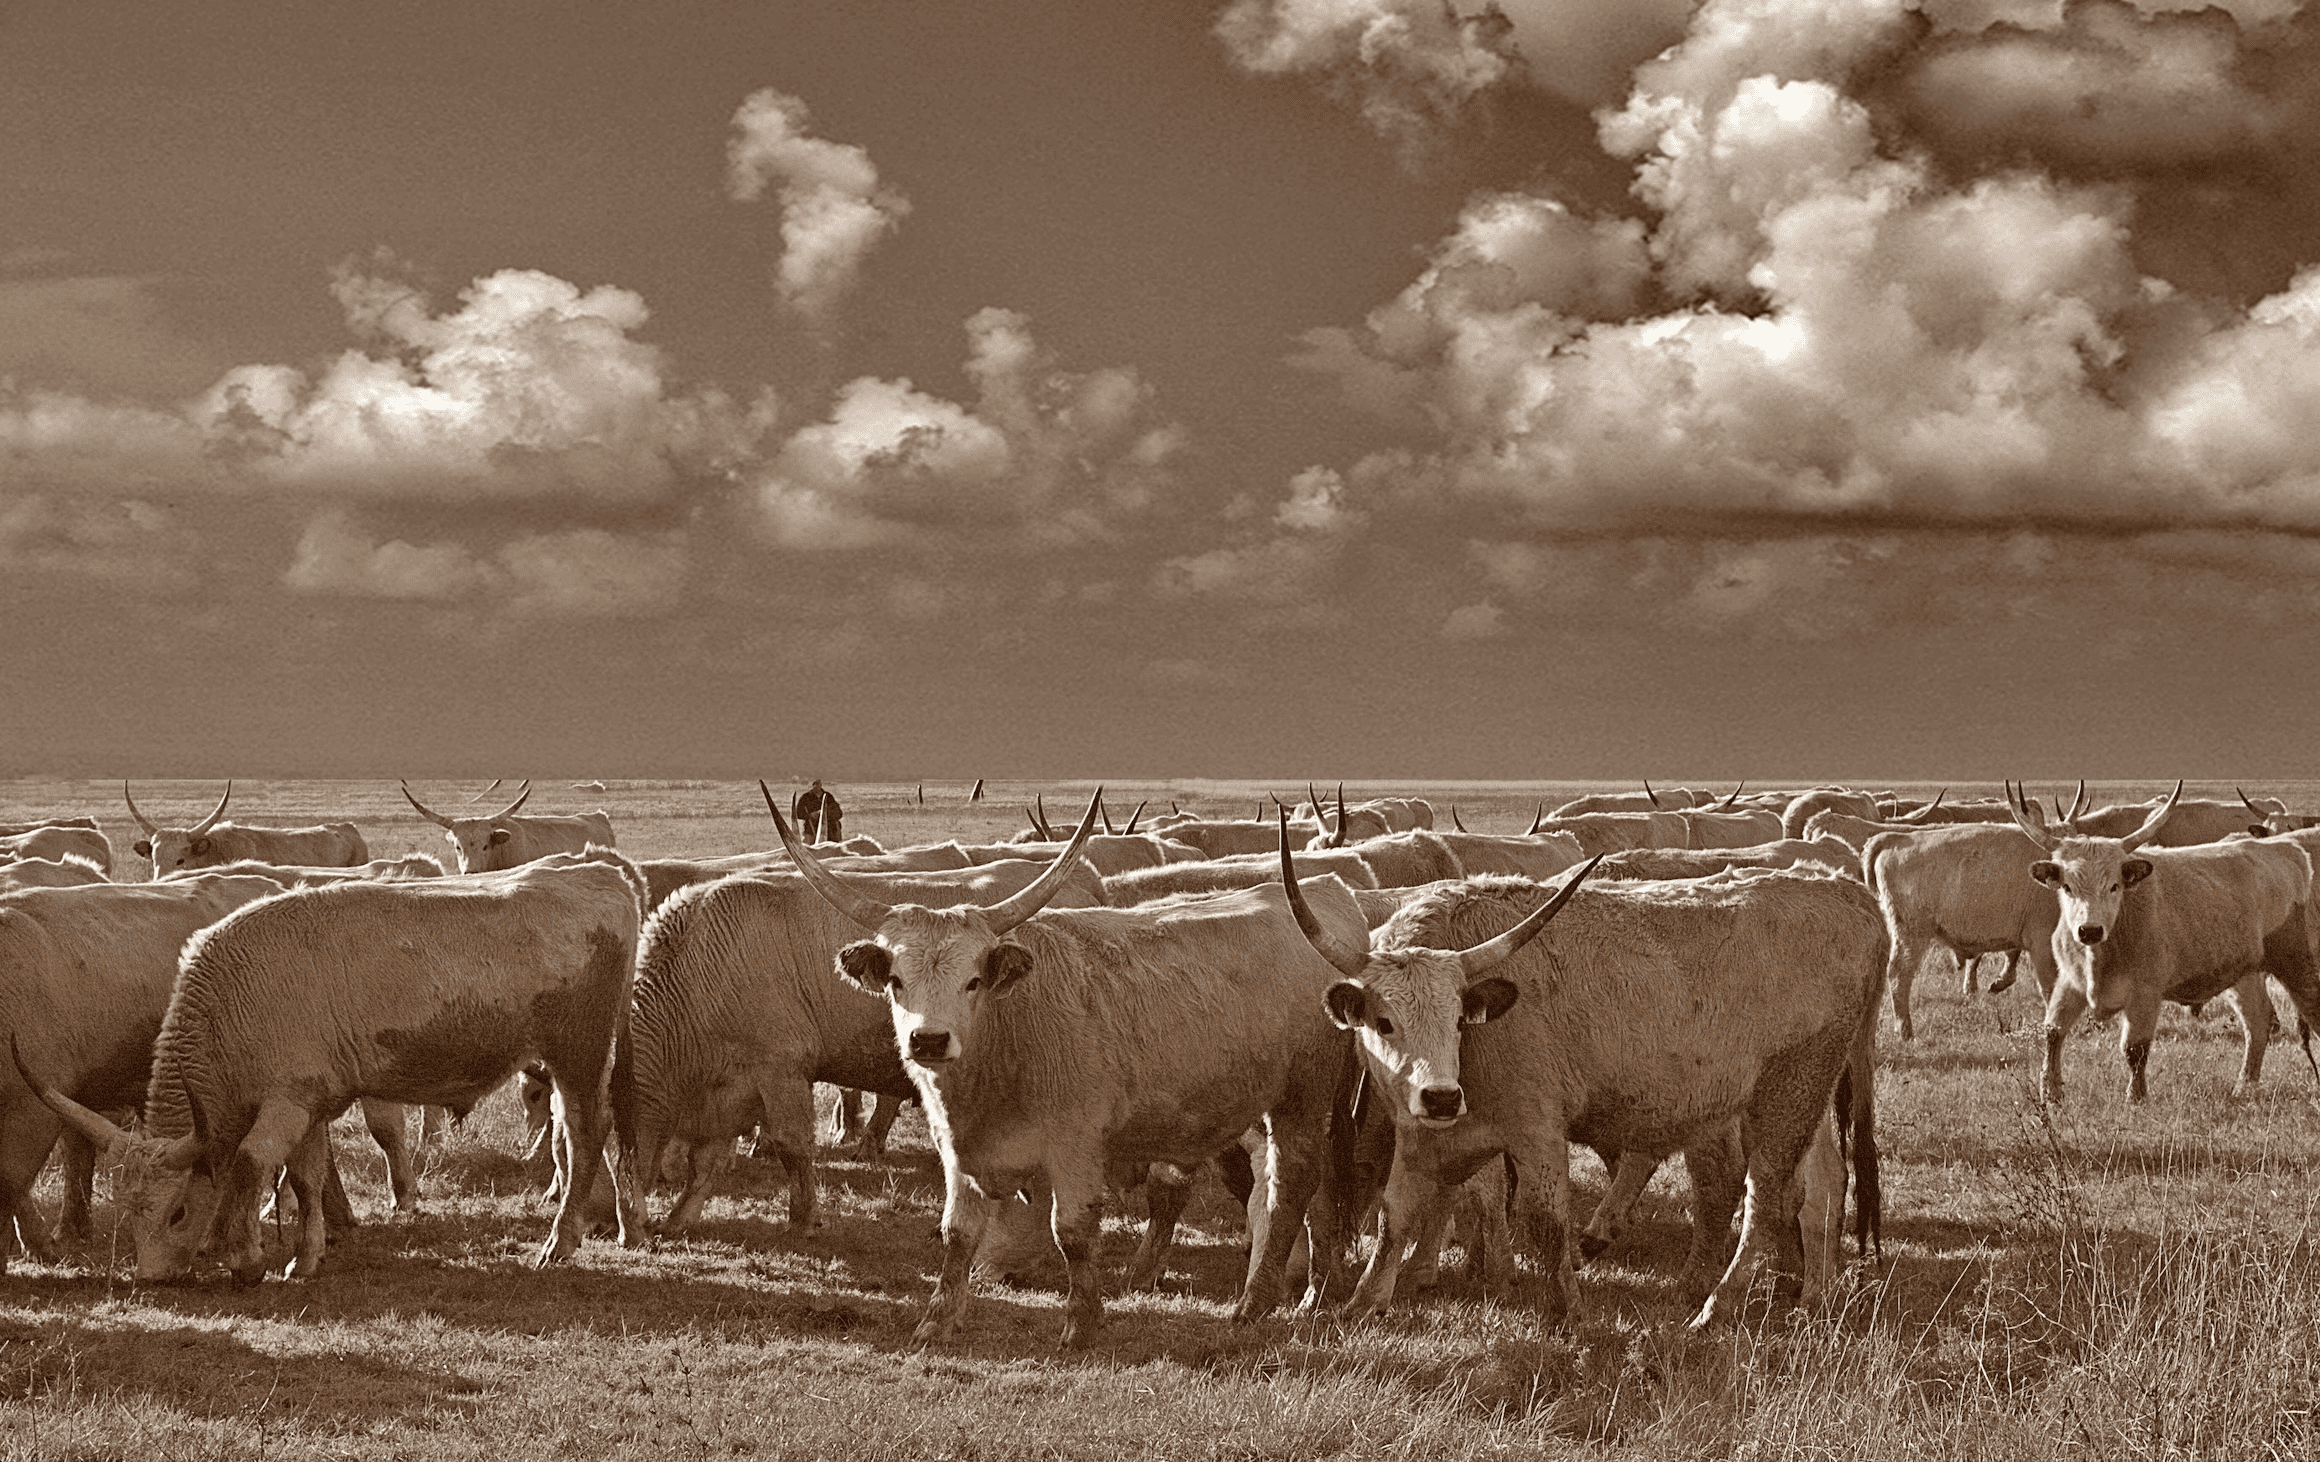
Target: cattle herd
1366 1023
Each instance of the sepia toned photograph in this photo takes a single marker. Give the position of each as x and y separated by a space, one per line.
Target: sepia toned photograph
1202 729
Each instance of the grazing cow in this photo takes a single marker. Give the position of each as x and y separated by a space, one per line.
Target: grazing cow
85 975
67 872
1646 1015
504 840
2176 923
54 842
1067 1043
434 991
818 813
209 843
737 1015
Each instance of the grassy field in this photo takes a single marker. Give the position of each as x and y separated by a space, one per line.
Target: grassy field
2095 1280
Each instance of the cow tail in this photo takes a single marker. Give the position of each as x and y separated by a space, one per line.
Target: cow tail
2304 1039
1348 1109
1856 1113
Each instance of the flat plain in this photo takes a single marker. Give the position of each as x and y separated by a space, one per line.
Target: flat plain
2093 1279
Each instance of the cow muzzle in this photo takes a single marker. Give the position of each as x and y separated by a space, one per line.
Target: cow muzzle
930 1048
2090 933
1441 1103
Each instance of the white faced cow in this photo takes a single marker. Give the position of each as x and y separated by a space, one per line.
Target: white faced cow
2137 928
209 843
1069 1043
504 840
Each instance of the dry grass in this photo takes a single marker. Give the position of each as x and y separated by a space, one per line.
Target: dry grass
2097 1281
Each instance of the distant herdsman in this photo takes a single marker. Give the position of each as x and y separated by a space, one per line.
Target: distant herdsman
818 813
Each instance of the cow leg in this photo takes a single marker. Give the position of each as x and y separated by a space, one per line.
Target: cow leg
2005 981
704 1163
25 1140
2141 1025
309 1170
2063 1008
281 1126
336 1209
1079 1222
583 1119
884 1109
2255 1022
1413 1193
1542 1215
1790 1101
846 1117
1490 1244
1821 1210
1718 1167
1910 950
788 1128
1167 1188
1297 1151
966 1213
389 1128
80 1178
1630 1173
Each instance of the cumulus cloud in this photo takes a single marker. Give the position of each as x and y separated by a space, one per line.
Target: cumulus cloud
1282 572
578 573
833 210
127 542
1044 455
1819 324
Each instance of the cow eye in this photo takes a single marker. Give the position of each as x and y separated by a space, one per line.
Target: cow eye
1385 1027
974 984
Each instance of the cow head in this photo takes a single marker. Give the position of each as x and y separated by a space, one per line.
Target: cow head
174 848
163 1188
485 844
935 967
1408 1006
2092 875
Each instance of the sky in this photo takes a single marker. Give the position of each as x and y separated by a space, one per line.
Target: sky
881 389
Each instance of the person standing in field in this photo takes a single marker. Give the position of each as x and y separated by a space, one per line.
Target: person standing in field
818 813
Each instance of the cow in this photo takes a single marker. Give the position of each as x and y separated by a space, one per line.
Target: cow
1671 799
1218 839
1644 1016
1855 832
1542 855
1612 832
504 840
2190 823
664 876
85 976
1066 1043
2180 923
66 872
1731 828
410 865
209 843
737 1015
52 843
1826 799
17 829
434 991
818 813
1239 870
1655 863
1110 854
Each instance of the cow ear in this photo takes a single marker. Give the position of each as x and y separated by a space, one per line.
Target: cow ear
499 835
201 847
2134 871
1003 964
143 848
1347 1002
2258 830
867 965
1486 1000
2047 873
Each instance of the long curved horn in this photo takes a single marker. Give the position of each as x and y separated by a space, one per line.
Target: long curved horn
2078 802
1918 817
423 809
215 813
98 1132
150 829
1337 839
486 792
1726 804
1455 820
1133 816
1011 911
2260 814
1479 959
510 809
1033 819
1537 818
2033 831
2151 824
1654 796
846 899
1349 967
1108 832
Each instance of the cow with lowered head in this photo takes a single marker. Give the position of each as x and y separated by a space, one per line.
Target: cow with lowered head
210 843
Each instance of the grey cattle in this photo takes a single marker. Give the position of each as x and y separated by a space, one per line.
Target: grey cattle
1070 1043
66 872
1110 854
385 870
85 975
1399 860
1645 1016
1542 855
1612 832
2191 822
210 843
1738 828
1645 863
1237 870
737 1015
1826 799
52 843
1959 887
434 991
1666 799
1217 839
2139 928
504 840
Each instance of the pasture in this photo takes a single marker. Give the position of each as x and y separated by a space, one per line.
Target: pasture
2092 1280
